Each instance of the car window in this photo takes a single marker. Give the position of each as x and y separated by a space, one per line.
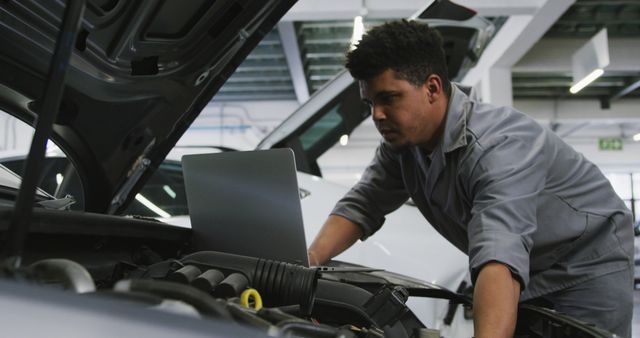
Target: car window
338 117
163 195
321 128
58 175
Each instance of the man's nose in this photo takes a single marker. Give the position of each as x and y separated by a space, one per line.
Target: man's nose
378 113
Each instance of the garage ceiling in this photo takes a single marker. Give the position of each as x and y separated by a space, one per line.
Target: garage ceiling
264 75
581 21
320 46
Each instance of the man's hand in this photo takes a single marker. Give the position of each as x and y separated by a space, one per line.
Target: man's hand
336 235
313 260
495 302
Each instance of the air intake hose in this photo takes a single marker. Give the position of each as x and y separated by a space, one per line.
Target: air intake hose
279 283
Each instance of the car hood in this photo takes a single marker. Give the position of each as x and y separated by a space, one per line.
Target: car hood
140 73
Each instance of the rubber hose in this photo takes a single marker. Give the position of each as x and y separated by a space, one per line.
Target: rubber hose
71 274
279 283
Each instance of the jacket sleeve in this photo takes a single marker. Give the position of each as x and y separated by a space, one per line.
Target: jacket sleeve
504 184
380 191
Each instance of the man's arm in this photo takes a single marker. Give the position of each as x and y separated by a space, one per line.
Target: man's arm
495 301
337 234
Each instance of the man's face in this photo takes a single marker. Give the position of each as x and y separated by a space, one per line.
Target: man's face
403 113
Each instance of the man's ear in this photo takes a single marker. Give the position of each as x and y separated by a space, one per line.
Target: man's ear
433 85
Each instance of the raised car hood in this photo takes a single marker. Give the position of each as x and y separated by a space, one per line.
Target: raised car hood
140 73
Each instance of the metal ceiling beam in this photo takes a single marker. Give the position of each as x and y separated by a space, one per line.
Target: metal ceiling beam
577 111
314 10
554 55
503 7
630 88
524 82
573 129
515 38
519 34
294 60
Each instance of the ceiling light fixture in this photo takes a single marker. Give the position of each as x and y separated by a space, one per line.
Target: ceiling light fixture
152 206
636 137
596 73
169 191
344 139
588 62
358 31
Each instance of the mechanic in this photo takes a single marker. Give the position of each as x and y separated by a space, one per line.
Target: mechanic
538 221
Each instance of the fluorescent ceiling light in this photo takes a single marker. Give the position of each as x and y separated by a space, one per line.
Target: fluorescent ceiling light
151 206
344 139
636 137
169 191
589 61
586 80
59 178
358 31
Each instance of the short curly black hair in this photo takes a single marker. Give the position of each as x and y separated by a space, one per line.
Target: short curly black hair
413 50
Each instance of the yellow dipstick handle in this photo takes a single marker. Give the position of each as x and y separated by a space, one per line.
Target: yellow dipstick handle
247 294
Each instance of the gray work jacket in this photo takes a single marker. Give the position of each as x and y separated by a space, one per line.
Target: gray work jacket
501 187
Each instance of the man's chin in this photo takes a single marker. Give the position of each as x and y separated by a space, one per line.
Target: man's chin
395 145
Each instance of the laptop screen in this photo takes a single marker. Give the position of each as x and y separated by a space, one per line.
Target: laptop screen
246 203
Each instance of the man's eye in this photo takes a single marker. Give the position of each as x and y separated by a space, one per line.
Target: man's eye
387 99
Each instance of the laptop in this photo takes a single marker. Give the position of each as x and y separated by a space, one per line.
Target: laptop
246 203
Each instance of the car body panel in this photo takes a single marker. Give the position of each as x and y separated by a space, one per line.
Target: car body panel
133 86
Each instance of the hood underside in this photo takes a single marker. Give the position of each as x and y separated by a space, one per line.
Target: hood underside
140 73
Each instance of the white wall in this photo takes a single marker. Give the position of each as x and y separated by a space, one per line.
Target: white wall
14 134
589 123
238 125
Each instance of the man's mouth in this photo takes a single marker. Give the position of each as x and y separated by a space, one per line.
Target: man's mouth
387 132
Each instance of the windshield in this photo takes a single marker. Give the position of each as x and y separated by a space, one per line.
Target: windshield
9 179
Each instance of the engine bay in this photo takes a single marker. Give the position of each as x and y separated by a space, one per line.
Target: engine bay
152 265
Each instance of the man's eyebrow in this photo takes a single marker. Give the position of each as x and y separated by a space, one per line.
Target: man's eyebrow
367 101
385 94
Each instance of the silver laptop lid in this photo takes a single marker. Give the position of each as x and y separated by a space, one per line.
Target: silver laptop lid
246 203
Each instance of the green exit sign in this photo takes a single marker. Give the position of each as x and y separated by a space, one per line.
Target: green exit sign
612 143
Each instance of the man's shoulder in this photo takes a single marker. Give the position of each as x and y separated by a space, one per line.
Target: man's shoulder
500 130
487 124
